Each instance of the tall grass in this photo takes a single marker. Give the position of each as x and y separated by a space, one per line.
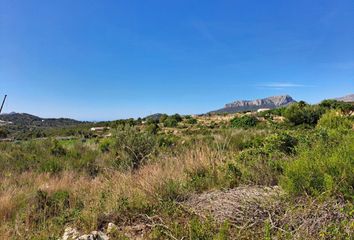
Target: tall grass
88 198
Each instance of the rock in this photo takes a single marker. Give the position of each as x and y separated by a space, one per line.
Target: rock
348 98
101 236
86 237
254 105
70 234
111 228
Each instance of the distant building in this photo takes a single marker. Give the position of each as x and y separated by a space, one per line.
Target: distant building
3 123
99 129
263 109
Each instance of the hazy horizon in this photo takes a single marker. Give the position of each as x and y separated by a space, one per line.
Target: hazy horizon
105 60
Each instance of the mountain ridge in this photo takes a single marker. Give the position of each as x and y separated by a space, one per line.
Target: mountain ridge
347 98
253 105
25 119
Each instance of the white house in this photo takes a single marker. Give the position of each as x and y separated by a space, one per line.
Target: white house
263 109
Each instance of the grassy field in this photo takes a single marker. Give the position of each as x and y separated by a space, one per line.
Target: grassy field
280 174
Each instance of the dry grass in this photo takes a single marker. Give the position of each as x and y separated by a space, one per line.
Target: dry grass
17 192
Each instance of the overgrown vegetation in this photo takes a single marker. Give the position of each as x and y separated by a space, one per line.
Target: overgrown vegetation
143 172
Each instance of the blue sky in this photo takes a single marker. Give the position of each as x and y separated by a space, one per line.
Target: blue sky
98 60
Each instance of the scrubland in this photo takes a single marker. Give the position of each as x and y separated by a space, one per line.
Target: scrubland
169 177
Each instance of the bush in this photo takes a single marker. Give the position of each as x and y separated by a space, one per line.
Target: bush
201 179
57 149
3 133
177 117
52 166
245 121
337 105
163 117
56 208
257 166
167 140
172 190
334 120
282 142
301 113
152 128
133 147
105 146
192 120
325 167
170 122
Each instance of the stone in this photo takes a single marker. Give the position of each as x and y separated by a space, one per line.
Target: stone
111 228
70 234
86 237
102 236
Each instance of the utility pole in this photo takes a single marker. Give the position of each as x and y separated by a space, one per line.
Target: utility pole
3 102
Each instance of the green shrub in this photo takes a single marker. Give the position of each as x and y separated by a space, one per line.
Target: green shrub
167 140
170 122
334 120
3 133
301 113
172 190
337 105
201 179
152 128
232 176
151 120
282 142
52 166
192 120
258 166
163 117
245 121
177 117
57 149
105 146
46 206
325 167
133 147
208 230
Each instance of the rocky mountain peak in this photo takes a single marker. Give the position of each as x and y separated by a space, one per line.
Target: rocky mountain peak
348 98
253 105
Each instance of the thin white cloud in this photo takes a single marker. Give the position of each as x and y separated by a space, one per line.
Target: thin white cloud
281 85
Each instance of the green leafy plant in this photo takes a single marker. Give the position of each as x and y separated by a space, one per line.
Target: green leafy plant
245 121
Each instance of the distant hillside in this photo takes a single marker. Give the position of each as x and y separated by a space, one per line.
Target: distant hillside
348 98
155 116
24 119
253 105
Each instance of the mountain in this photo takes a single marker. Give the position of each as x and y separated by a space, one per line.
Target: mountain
24 119
348 98
253 105
155 116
